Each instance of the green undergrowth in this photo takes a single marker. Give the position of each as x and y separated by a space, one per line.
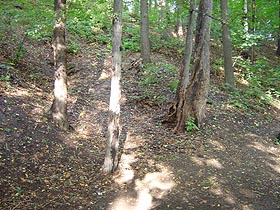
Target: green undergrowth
260 84
157 80
87 21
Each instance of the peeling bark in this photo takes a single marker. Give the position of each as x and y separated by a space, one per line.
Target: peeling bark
111 156
192 99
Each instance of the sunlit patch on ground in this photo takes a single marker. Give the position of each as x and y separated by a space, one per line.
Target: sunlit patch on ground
202 161
153 186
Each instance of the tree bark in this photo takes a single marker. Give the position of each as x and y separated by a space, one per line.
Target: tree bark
111 156
227 47
252 28
184 78
145 42
59 105
278 45
179 25
192 102
245 16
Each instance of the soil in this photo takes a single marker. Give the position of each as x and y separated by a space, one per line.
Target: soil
231 162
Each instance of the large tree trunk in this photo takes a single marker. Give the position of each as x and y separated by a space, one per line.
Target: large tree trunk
111 156
59 105
192 100
227 48
145 42
184 74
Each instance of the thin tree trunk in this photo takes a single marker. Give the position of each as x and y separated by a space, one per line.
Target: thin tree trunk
145 42
111 156
253 30
179 25
59 105
162 15
184 79
278 45
227 48
245 16
193 98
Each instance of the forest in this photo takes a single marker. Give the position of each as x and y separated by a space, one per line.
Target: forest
140 105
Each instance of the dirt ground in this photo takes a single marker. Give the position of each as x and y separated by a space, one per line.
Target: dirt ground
230 163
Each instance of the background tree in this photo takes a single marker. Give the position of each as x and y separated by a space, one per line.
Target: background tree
179 30
252 28
144 27
227 48
111 156
278 41
59 105
192 101
245 16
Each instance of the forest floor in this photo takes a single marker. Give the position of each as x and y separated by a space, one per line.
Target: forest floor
231 162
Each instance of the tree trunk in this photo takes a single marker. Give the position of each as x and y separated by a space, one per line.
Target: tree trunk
179 25
192 101
253 30
245 16
278 45
185 72
227 48
59 105
111 156
145 42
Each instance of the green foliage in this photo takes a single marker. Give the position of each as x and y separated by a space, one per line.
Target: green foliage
242 40
33 17
20 51
72 46
190 125
7 66
277 141
90 20
131 37
262 75
168 68
85 19
218 64
155 75
173 84
150 75
250 98
168 43
6 76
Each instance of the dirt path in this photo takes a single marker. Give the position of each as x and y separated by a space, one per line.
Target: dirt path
230 163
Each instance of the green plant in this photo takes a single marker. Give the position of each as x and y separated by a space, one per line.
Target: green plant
5 78
277 141
20 50
173 84
131 38
72 47
150 75
190 125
